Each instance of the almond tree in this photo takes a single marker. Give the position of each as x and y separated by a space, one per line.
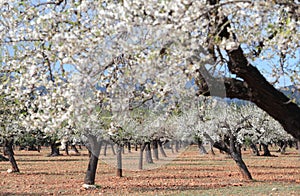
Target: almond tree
221 124
263 129
62 52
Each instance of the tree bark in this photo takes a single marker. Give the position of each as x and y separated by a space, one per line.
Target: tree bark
233 149
177 146
143 146
119 160
241 165
3 158
148 153
105 148
54 149
201 148
129 147
8 149
253 86
161 148
67 148
94 149
254 149
113 148
155 149
73 147
266 150
282 147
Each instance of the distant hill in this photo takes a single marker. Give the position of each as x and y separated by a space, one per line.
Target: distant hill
292 92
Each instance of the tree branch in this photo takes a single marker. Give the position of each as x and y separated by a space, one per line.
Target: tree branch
257 88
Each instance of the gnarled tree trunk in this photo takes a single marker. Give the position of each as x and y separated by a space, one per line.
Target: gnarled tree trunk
251 85
143 146
148 153
255 151
232 148
155 149
266 150
94 149
8 150
161 148
201 148
119 160
3 158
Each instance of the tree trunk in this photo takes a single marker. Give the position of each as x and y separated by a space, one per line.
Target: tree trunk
249 83
241 165
8 149
162 151
148 153
94 149
129 147
233 149
3 158
105 148
236 154
283 147
155 149
172 147
201 148
211 145
119 160
54 149
143 146
266 150
177 146
259 146
112 148
67 148
254 149
73 147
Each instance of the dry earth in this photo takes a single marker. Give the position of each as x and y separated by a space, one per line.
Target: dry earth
187 174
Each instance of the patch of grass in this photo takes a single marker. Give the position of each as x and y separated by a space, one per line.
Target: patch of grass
253 189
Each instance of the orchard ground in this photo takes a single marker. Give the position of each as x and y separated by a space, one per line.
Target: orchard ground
187 174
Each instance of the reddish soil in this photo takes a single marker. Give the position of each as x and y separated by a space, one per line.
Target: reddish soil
63 175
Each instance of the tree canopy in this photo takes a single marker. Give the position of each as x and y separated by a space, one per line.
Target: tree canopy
64 59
